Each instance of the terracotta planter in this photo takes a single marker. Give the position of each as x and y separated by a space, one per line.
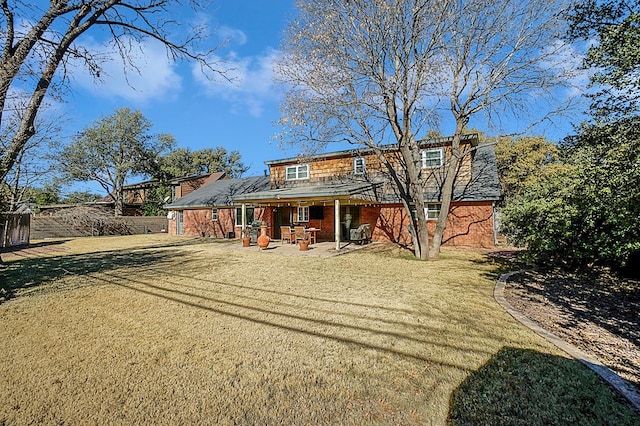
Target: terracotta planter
246 241
304 245
263 239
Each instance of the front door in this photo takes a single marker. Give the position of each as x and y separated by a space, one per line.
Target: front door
282 217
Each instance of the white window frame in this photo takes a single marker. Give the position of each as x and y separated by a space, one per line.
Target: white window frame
297 172
303 214
239 216
214 214
424 159
432 211
359 166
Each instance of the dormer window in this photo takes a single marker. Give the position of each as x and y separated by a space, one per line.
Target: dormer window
297 172
358 166
432 158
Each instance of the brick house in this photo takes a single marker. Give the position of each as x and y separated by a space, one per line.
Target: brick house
211 209
337 192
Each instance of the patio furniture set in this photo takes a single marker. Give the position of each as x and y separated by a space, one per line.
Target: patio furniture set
298 234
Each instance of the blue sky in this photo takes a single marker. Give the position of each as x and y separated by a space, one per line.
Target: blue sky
198 112
201 113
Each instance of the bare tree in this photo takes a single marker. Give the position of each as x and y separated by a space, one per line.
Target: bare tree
376 73
33 164
37 43
501 59
358 71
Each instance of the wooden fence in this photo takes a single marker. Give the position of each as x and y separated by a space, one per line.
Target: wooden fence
15 229
55 227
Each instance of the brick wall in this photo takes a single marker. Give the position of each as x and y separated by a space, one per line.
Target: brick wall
470 224
198 222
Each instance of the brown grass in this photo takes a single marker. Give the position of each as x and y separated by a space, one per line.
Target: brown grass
151 329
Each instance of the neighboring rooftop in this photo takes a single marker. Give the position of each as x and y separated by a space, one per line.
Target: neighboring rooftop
220 193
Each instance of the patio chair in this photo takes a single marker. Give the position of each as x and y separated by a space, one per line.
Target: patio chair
286 233
300 233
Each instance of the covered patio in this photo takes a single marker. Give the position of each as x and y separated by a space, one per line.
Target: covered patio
329 209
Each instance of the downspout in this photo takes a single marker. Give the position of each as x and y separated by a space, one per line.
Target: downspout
244 220
495 224
336 225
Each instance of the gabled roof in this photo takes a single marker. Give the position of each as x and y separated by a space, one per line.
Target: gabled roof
220 193
484 184
214 176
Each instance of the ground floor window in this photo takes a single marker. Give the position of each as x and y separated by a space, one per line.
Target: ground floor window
432 211
250 216
303 214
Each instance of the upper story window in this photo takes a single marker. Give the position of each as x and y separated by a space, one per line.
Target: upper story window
297 172
214 214
358 166
432 157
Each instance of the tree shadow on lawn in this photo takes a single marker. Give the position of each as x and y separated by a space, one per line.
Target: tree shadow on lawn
38 245
38 271
526 387
609 302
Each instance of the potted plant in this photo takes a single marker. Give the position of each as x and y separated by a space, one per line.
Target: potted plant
246 236
304 242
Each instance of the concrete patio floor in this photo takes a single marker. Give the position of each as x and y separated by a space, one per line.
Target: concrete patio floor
320 249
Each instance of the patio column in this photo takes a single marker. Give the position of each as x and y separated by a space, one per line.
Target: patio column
244 219
336 224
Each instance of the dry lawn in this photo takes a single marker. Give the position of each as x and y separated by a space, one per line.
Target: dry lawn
159 330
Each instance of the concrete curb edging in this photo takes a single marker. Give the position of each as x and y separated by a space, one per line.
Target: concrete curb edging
594 364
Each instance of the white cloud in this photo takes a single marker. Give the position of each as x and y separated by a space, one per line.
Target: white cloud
232 35
567 60
250 83
152 77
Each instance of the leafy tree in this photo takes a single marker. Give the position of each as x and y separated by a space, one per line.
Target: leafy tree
375 72
77 197
113 149
48 194
589 213
156 198
614 25
523 161
184 162
38 38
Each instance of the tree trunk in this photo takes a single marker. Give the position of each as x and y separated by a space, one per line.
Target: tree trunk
421 239
118 207
414 203
451 172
